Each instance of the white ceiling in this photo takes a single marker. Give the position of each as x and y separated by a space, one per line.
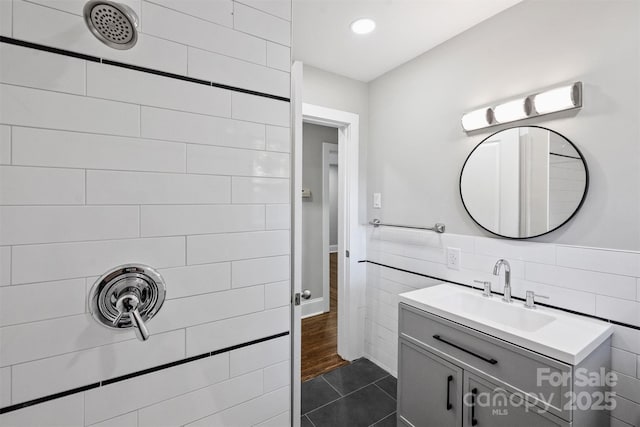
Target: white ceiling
405 29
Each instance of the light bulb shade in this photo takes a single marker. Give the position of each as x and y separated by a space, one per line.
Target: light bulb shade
477 119
558 99
517 109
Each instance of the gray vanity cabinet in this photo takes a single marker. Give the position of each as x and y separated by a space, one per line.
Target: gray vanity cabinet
433 394
489 405
452 375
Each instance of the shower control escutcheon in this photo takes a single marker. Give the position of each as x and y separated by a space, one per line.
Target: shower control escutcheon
128 297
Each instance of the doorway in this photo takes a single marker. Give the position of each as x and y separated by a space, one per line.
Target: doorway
320 220
351 234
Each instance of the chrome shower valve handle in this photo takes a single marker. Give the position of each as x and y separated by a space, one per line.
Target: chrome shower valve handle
124 305
128 305
127 297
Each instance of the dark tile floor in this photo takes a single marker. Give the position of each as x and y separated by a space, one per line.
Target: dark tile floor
359 394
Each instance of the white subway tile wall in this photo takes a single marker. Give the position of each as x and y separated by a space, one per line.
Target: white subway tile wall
197 279
261 110
22 67
219 11
260 190
236 72
202 129
203 159
102 165
593 281
277 294
278 56
84 367
261 24
278 139
272 7
5 145
75 7
260 270
191 31
126 420
20 106
250 413
205 401
278 217
6 20
237 330
5 265
50 148
40 301
121 84
5 386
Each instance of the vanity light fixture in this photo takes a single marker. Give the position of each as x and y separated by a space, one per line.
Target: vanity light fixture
363 26
511 111
560 98
477 119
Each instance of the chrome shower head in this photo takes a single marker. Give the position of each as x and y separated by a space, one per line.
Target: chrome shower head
114 24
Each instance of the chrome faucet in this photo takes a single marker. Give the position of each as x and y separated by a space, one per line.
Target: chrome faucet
507 277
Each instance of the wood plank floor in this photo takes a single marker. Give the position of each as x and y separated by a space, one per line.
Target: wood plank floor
320 334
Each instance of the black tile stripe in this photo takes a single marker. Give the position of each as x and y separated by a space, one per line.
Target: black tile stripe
156 72
65 393
615 322
48 398
37 46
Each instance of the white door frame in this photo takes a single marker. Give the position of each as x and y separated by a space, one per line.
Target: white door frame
351 234
327 149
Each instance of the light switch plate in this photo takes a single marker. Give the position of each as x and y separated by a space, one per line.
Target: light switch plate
377 200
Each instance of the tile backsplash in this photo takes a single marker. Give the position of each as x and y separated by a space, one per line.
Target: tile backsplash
595 281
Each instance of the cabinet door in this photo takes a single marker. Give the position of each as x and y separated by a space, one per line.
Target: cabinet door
488 405
429 389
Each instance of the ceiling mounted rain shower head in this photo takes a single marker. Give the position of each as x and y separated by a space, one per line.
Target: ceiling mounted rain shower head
114 24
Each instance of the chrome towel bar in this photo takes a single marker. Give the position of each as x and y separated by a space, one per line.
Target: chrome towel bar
438 228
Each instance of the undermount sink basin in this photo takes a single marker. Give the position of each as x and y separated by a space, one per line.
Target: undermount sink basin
553 333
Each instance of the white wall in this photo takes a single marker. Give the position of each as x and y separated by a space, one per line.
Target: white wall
416 145
313 137
416 149
100 166
341 93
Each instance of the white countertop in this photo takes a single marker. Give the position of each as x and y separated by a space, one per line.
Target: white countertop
557 334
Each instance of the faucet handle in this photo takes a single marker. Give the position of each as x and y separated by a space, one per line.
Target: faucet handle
128 305
530 301
487 287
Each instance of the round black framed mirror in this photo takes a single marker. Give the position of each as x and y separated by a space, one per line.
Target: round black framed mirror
523 182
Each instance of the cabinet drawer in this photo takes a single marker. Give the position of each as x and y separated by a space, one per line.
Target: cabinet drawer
515 367
490 405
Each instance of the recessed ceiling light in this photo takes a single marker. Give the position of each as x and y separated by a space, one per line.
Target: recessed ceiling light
363 26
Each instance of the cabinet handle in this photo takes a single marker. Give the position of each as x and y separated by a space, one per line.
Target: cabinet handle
449 405
474 391
492 360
